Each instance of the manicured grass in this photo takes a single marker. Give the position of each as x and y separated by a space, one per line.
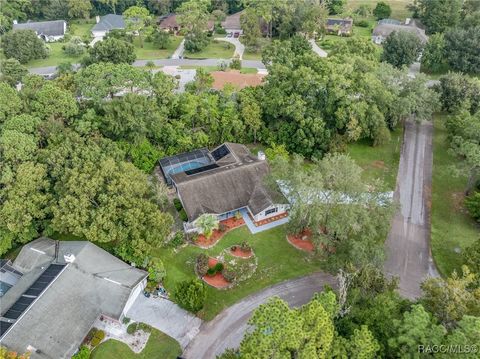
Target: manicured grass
81 28
380 161
249 55
277 261
56 56
151 52
159 345
452 226
215 50
399 7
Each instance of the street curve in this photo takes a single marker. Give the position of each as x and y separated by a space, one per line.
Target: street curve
226 330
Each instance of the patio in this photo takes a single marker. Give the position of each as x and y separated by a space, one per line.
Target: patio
263 227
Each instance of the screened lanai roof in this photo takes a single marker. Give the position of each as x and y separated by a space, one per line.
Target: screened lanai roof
187 161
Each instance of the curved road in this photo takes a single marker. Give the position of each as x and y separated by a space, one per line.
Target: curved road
227 328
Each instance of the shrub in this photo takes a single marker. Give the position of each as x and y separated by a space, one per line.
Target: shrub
161 39
238 215
23 45
75 47
177 240
362 23
245 246
236 64
156 270
218 267
126 320
196 42
201 264
229 275
83 353
472 203
211 272
177 204
191 295
183 215
132 328
145 327
97 338
222 227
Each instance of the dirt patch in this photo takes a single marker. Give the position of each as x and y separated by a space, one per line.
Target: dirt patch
226 225
458 201
217 280
378 164
234 77
302 240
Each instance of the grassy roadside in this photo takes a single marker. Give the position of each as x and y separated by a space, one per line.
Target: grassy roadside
159 345
399 7
151 52
452 227
380 161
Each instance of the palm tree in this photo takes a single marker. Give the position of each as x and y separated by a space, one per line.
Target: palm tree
207 223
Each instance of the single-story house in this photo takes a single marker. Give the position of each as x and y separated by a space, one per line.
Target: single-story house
383 30
46 30
63 288
107 23
232 24
169 23
222 182
340 27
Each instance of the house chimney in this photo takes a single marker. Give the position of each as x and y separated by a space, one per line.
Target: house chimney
69 257
261 156
97 19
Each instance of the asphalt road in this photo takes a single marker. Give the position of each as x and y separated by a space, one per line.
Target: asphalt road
227 329
50 70
408 244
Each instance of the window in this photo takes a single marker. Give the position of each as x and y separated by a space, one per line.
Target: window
270 211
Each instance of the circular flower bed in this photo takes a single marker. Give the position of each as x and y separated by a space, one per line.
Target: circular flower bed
302 240
243 251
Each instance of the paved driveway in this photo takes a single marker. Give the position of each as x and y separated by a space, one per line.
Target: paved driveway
408 243
227 328
167 317
239 47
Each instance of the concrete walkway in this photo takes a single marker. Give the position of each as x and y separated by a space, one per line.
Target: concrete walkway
317 49
239 47
165 316
226 330
254 229
178 53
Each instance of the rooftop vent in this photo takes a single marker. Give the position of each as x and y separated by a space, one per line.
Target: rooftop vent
69 257
261 156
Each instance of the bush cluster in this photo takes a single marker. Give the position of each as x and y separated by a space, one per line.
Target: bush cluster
177 204
245 246
216 269
229 275
191 295
97 338
201 264
177 240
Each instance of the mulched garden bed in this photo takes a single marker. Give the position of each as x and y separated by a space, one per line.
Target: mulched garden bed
239 252
270 219
217 280
227 224
302 240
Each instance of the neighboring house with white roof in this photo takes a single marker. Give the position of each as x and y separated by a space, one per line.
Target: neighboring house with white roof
46 30
386 26
62 287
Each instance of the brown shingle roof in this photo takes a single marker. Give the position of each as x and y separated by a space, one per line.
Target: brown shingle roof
232 22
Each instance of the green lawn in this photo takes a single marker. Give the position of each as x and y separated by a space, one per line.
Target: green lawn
215 50
81 28
399 7
55 57
452 227
381 161
159 345
249 55
277 261
150 52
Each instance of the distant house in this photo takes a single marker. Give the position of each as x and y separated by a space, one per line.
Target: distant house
225 181
169 23
384 29
46 30
340 27
58 290
107 23
232 23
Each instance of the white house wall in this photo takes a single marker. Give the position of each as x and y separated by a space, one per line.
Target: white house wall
280 209
134 294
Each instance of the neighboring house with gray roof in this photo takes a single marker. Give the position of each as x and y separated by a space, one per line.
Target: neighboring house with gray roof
340 27
64 288
232 23
107 23
222 182
46 30
383 30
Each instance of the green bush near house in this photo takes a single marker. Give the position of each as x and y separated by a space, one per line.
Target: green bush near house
190 295
177 204
183 215
97 338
